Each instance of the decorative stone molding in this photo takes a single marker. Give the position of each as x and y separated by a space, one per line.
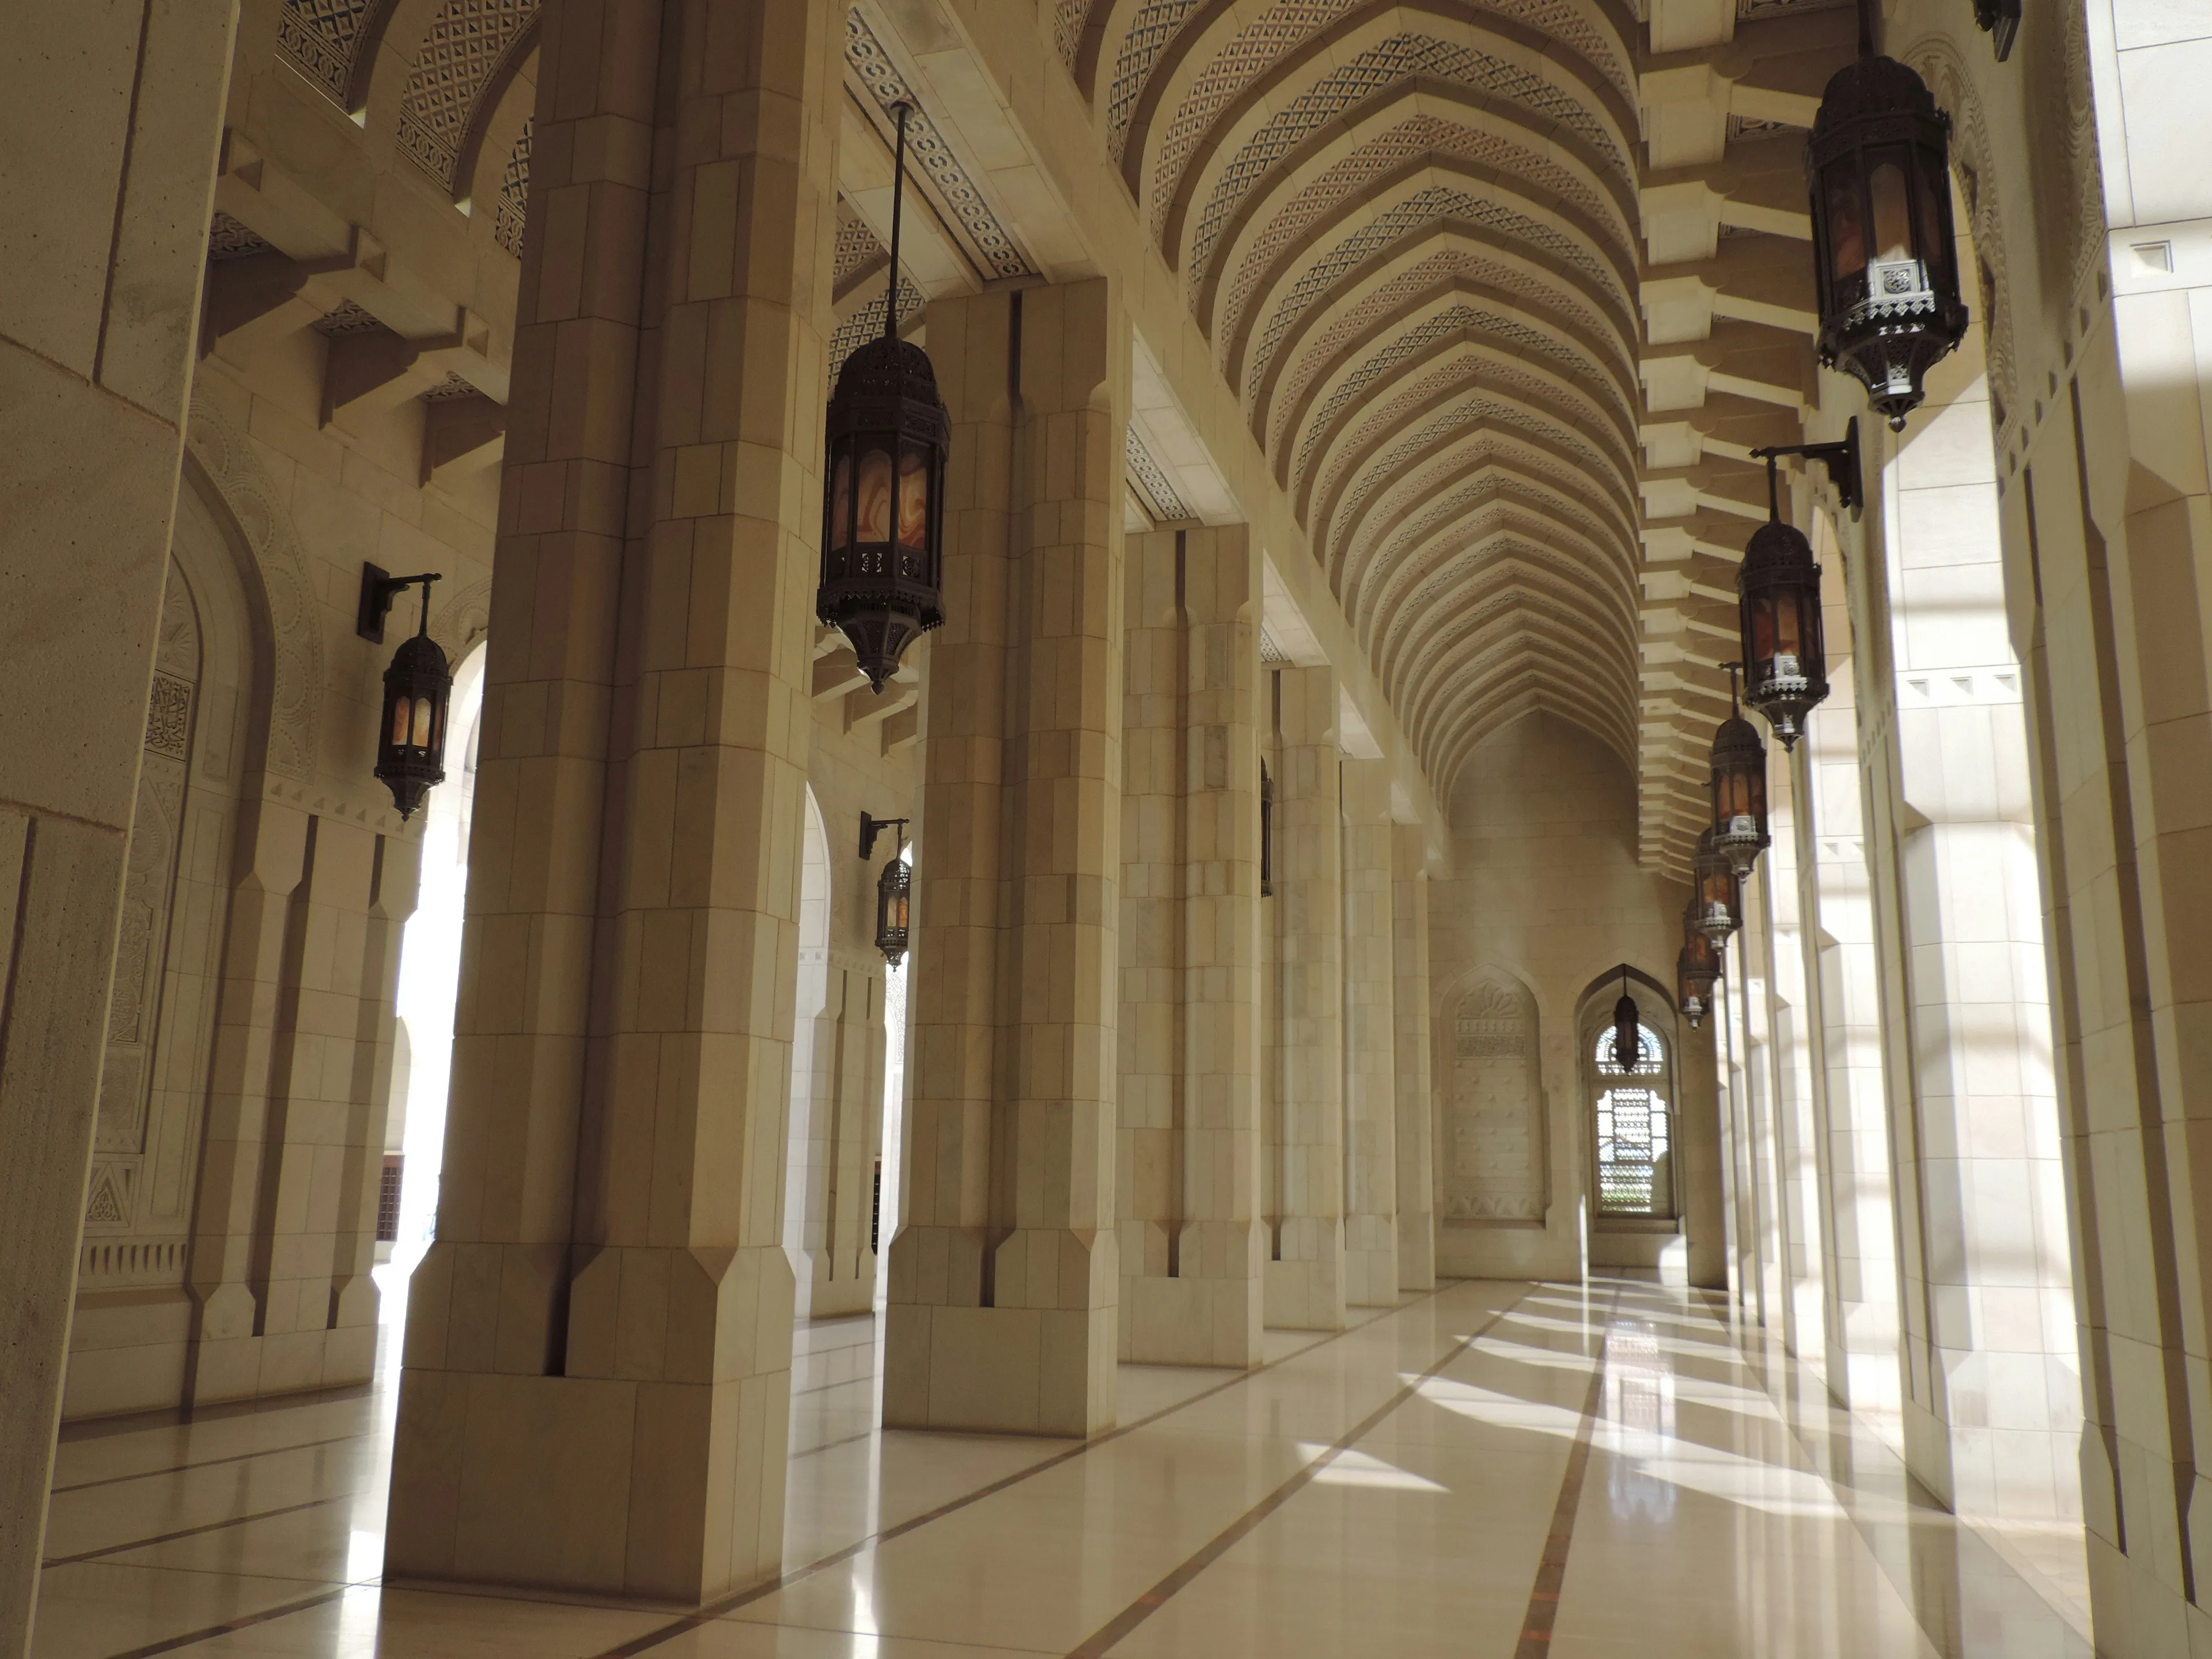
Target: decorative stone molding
991 245
320 37
468 43
1153 480
295 634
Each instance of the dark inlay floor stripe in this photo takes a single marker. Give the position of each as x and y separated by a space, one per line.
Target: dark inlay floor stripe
728 1604
247 1621
193 1532
1552 1570
1154 1599
208 1463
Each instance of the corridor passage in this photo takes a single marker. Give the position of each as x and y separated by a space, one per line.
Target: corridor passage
1494 1470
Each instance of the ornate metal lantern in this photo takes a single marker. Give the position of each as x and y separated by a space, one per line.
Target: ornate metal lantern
1717 902
883 508
894 887
894 890
418 693
1785 654
1627 1041
1697 970
1878 167
1738 787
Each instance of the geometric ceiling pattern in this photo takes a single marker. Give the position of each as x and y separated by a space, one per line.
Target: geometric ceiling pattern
467 42
1409 232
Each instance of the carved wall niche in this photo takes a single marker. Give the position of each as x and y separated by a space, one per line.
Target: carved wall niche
150 885
1490 1161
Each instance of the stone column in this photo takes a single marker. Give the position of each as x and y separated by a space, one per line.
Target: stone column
111 114
283 1228
1798 1147
845 1110
1192 1241
1371 1039
1005 1274
1302 1187
1416 1137
596 1387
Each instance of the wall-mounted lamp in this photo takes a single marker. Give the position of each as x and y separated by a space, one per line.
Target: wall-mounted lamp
1784 652
1739 763
894 887
418 692
2001 19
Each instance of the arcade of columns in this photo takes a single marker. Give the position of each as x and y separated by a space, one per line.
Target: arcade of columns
1352 411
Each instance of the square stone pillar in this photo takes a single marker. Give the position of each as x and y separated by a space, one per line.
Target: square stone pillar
1371 1039
1416 1146
1005 1274
109 118
1303 1184
1192 1242
597 1381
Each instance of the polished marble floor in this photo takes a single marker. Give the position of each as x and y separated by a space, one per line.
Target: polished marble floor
1503 1470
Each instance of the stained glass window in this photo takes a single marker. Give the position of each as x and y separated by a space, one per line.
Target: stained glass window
1635 1141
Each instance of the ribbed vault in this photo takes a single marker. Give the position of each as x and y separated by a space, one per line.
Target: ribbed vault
1410 231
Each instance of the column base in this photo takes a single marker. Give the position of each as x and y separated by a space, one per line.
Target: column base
1305 1296
1191 1321
1371 1261
654 1470
1005 1371
1417 1251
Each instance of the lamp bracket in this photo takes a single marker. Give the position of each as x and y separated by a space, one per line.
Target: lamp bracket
871 828
378 591
1840 457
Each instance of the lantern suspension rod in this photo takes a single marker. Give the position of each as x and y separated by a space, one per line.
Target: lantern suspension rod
378 590
1866 27
1841 457
902 109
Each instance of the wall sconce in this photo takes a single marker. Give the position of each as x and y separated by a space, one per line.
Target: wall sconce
894 887
1784 652
1266 833
1739 762
1696 970
1627 1041
1716 900
2001 19
418 692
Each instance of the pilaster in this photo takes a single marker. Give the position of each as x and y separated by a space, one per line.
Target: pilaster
1192 1241
1416 1134
1005 1275
1371 1097
1302 1182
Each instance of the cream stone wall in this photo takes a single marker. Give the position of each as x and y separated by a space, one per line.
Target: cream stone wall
1370 1088
1546 894
110 122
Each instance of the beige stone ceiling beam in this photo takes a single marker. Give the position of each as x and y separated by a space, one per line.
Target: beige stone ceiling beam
1248 322
1447 543
1462 470
1358 313
1446 326
1515 591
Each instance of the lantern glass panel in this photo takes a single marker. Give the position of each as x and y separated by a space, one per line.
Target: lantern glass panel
841 504
914 497
1892 216
401 708
872 502
420 739
1847 252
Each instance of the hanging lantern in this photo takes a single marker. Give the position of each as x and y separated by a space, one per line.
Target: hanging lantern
1878 167
883 510
1697 970
894 890
418 693
1785 654
1627 1043
1738 787
1715 899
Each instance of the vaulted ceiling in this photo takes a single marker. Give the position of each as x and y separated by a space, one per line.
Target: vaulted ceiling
1506 291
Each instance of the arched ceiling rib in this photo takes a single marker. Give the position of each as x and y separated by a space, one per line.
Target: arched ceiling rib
1409 228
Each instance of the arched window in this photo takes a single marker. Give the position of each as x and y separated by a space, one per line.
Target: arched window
1635 1130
